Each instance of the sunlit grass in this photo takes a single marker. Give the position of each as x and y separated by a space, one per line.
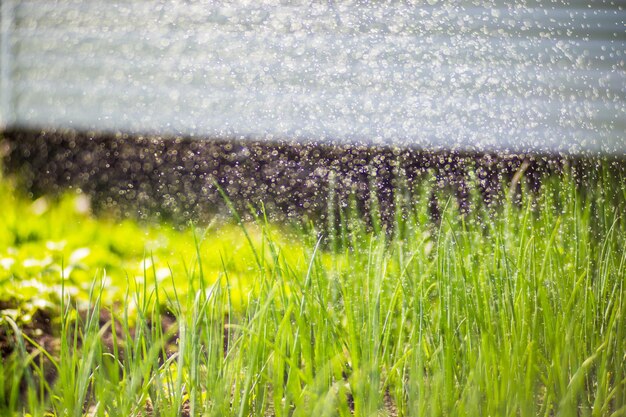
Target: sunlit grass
515 309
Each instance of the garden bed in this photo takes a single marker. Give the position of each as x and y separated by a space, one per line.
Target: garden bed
176 178
509 301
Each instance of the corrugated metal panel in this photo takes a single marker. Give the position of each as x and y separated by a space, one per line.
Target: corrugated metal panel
546 77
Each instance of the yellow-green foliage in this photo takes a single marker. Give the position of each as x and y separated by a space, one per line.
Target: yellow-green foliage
46 241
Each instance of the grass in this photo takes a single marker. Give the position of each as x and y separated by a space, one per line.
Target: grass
513 309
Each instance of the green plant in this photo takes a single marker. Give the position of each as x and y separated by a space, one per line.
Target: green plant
512 309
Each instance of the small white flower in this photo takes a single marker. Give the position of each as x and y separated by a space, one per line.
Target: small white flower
55 246
162 273
39 206
145 264
41 303
32 262
36 284
82 204
7 263
79 254
67 271
66 289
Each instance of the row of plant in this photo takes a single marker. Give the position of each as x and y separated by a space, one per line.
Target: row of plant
513 308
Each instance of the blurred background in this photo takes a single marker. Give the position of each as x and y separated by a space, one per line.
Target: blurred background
541 76
147 106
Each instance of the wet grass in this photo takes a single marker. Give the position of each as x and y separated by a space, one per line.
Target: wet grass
512 309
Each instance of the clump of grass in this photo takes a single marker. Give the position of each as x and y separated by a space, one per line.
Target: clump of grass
511 309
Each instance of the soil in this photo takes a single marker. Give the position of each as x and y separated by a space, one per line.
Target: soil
43 328
177 178
40 329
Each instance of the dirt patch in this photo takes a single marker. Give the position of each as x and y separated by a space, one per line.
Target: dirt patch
178 178
26 335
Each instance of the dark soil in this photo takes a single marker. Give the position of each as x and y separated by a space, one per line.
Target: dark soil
41 329
44 329
177 178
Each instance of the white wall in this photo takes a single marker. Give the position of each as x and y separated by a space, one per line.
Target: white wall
541 78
